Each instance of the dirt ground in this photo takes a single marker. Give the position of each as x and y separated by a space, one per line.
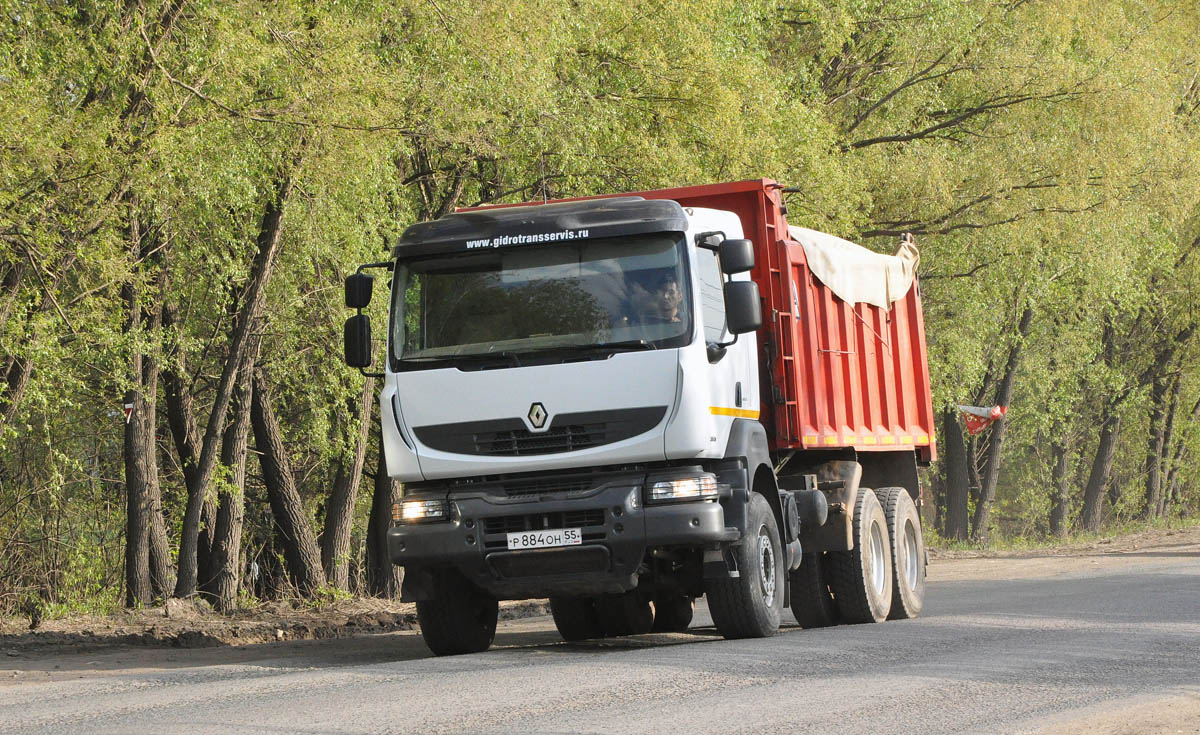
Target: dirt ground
183 624
953 564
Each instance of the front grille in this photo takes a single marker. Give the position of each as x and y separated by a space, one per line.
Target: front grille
558 439
538 521
568 432
531 485
548 486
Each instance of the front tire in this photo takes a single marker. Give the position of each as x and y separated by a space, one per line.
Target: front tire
749 606
812 603
625 614
460 618
673 614
576 618
861 579
908 552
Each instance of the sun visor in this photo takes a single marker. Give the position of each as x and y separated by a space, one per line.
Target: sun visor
855 273
505 227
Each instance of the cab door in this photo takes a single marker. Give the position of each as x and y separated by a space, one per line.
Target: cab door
732 380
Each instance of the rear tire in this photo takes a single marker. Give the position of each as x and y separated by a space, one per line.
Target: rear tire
749 606
812 602
908 552
626 614
861 579
460 618
673 614
576 618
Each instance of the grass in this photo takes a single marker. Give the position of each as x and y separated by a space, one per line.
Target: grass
1021 542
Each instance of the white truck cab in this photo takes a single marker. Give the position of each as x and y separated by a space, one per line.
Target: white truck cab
550 356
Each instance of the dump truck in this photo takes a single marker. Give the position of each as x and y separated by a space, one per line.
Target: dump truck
625 402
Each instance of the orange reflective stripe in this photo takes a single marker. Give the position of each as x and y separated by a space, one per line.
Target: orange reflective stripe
741 413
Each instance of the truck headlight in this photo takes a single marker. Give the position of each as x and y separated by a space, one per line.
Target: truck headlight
420 511
700 487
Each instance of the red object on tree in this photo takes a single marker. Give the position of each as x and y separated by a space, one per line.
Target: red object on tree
978 418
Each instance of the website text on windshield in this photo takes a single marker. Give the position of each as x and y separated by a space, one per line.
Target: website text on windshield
504 240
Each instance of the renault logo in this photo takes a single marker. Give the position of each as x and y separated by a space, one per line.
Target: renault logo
537 415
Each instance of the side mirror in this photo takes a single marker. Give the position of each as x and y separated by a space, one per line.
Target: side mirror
357 334
743 310
737 256
358 290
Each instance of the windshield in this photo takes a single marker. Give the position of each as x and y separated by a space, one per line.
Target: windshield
628 292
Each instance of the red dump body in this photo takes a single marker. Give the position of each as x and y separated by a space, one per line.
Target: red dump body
840 376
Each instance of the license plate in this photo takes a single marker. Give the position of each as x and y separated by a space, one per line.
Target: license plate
545 538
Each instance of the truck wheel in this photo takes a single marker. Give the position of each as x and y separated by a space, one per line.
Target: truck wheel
673 614
459 619
908 552
576 618
812 603
626 614
861 579
749 605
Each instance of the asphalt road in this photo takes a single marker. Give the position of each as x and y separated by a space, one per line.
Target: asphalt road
1004 646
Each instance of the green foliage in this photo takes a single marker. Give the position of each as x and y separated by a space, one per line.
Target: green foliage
1046 155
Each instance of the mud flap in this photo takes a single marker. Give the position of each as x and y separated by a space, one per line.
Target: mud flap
417 585
839 481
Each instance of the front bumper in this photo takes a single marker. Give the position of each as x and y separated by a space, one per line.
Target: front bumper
617 530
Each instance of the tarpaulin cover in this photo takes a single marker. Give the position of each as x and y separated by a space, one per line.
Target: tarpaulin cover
856 274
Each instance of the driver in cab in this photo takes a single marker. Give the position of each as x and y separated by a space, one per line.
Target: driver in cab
659 306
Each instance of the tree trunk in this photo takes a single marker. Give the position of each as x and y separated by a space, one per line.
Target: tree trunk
1114 489
1164 458
160 546
205 565
1154 446
300 550
226 550
182 420
937 486
140 467
987 492
229 510
160 549
339 509
1060 500
1178 459
138 448
181 414
260 275
383 577
1093 492
956 475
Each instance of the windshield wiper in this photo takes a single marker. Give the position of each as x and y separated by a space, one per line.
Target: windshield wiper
628 344
506 355
499 354
514 358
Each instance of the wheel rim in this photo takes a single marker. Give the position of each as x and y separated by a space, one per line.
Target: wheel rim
878 579
911 572
766 565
